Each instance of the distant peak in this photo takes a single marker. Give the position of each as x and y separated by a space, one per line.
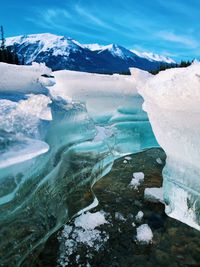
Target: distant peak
154 57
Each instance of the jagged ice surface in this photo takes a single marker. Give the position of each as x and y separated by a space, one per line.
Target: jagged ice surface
55 143
172 102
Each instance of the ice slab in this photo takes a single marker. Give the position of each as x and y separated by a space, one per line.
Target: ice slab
172 102
83 124
22 150
24 79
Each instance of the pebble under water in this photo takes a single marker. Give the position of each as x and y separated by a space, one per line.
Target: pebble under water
114 243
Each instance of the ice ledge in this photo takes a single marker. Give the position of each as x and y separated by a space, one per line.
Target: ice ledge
171 99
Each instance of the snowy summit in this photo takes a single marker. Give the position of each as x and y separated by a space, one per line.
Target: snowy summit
60 52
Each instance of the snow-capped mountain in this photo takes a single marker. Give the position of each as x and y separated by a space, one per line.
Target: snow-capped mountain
154 57
60 52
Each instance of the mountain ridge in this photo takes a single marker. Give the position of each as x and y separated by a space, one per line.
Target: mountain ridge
60 52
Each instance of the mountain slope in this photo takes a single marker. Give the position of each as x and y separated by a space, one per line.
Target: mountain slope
59 52
154 57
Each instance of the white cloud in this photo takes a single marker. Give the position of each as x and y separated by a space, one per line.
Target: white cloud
91 17
184 40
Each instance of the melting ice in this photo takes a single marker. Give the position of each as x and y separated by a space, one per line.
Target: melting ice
172 102
58 137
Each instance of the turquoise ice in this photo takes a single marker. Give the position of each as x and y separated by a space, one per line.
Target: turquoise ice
54 147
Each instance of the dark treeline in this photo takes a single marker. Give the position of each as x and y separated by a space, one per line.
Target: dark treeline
6 55
163 66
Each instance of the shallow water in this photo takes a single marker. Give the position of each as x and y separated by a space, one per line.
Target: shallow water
174 243
41 193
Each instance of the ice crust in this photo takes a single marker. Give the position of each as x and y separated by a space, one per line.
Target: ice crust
56 141
69 130
24 79
171 99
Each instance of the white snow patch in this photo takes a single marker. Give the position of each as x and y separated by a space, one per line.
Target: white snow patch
59 45
154 57
93 47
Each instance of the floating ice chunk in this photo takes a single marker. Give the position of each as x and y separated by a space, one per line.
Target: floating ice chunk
144 234
154 194
88 237
119 216
159 161
128 158
90 220
139 216
84 233
139 176
137 179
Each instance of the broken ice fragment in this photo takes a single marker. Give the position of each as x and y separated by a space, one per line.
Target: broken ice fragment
138 177
139 216
159 161
90 220
128 158
154 194
144 234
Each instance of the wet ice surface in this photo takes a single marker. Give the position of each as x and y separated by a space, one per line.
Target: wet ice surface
47 189
64 145
171 99
115 242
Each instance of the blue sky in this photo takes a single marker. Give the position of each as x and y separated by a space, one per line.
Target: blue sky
168 27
